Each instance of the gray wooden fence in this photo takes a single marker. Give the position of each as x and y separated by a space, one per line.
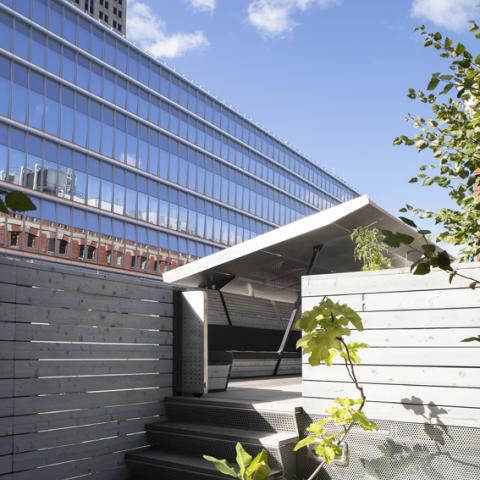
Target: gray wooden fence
422 383
414 326
85 362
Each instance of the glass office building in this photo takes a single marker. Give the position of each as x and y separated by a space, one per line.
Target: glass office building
129 164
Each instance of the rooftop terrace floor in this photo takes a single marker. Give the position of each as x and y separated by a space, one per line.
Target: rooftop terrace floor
272 393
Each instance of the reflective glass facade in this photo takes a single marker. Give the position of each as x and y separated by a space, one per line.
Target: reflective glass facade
131 165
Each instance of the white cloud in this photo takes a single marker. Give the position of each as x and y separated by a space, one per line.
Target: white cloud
149 33
452 14
274 18
203 5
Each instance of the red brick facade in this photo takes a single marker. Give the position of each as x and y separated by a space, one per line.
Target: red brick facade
48 239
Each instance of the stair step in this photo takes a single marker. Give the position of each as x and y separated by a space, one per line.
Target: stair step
221 442
267 439
238 415
155 463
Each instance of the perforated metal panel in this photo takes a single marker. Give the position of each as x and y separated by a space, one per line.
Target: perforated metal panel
193 375
406 451
231 416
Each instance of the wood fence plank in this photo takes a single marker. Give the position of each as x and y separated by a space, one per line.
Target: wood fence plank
440 396
28 350
418 338
399 374
54 403
41 458
93 285
69 316
46 297
418 356
52 333
396 280
78 418
69 436
451 416
54 368
53 386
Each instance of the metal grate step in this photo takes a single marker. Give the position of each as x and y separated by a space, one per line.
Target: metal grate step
231 414
221 441
154 464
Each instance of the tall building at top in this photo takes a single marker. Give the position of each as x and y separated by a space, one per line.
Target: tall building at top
130 165
110 12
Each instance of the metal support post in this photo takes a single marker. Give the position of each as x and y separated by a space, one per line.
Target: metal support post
296 308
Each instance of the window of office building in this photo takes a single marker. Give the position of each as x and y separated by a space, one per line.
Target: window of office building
31 240
14 239
63 247
51 244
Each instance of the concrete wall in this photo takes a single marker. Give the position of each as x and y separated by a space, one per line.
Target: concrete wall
421 382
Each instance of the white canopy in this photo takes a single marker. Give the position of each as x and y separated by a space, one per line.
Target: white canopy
271 265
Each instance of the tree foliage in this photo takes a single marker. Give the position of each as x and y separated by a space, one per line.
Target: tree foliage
370 248
15 201
452 136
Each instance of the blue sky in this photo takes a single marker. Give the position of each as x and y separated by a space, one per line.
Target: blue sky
328 76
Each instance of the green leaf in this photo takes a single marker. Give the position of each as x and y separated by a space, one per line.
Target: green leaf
435 80
395 240
304 442
19 202
460 49
444 261
3 207
428 249
243 458
222 466
258 468
422 269
409 222
405 239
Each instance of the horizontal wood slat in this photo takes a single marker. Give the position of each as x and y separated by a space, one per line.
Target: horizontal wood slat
399 374
458 416
85 363
418 356
441 396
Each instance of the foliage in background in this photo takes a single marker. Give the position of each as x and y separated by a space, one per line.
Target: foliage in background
324 330
14 201
370 248
249 468
452 136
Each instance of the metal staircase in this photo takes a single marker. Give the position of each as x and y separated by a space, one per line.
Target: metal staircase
198 426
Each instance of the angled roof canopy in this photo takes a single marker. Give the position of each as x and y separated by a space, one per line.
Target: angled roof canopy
271 265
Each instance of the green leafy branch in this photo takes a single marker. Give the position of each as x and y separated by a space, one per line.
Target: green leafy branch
370 248
452 137
325 327
249 468
15 201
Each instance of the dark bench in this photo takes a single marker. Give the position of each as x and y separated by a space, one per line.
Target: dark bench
247 352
